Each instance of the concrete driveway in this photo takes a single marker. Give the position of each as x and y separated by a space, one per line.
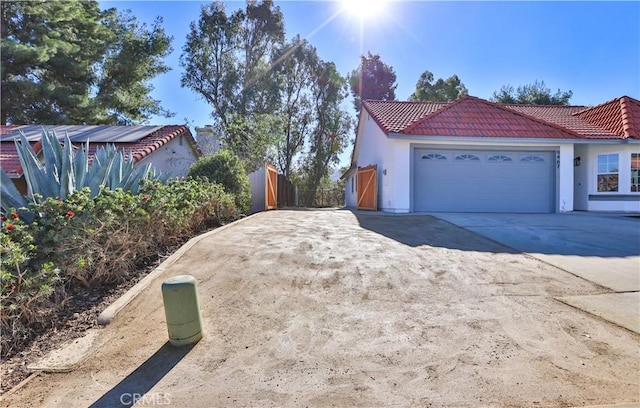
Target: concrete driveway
332 308
602 248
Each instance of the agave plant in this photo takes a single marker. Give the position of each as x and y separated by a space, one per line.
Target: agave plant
63 171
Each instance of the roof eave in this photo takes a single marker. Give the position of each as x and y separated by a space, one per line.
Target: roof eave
349 171
497 140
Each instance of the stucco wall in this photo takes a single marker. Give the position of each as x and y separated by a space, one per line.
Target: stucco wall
350 190
371 148
174 157
564 178
622 200
581 178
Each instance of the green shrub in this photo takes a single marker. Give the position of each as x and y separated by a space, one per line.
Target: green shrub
179 207
227 169
87 242
28 287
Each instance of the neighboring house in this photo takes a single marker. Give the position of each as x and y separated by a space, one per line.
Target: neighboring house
473 155
208 140
171 149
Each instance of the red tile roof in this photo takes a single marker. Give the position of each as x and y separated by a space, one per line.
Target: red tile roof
152 142
475 117
394 116
10 162
7 129
9 159
620 116
564 116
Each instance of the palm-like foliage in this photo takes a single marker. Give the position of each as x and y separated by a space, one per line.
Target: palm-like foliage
63 171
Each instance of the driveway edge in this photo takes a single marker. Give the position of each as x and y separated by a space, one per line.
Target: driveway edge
112 310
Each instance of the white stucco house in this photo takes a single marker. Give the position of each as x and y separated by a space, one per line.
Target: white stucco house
170 148
472 155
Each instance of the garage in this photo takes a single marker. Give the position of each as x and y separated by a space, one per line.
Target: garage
483 181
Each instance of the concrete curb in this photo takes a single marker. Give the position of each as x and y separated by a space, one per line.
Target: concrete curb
19 386
112 310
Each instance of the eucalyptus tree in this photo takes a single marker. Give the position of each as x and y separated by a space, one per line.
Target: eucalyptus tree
226 61
332 125
295 65
442 90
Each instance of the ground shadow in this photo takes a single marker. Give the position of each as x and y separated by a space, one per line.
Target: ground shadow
134 387
552 234
419 230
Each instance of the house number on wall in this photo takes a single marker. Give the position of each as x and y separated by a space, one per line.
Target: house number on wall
558 159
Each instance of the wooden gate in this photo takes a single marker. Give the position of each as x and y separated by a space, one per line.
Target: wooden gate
367 185
286 192
272 187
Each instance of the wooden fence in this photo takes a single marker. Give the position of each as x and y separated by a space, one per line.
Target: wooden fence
287 196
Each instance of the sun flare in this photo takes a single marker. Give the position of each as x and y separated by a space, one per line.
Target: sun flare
363 9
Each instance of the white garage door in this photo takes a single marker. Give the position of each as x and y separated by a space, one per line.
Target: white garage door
483 181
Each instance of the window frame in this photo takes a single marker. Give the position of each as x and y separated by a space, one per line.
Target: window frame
466 157
499 158
635 184
607 172
435 156
532 158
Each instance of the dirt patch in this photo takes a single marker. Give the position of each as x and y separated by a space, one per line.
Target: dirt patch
78 315
326 308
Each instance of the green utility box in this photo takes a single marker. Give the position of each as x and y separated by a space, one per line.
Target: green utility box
182 309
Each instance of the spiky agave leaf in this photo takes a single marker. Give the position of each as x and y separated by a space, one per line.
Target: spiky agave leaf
67 169
51 155
139 173
35 175
10 197
81 165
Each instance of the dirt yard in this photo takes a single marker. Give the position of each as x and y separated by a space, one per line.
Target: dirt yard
329 308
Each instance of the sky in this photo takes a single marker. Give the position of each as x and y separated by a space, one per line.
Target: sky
590 48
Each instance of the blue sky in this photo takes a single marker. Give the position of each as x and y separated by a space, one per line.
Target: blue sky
590 48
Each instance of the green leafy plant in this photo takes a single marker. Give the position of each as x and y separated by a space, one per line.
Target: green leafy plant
27 286
227 169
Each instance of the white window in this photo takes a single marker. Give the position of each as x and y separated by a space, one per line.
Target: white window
608 169
635 172
532 159
499 158
467 157
434 156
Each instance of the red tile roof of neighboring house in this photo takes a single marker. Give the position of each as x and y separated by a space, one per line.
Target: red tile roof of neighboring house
9 159
142 148
152 142
7 129
474 117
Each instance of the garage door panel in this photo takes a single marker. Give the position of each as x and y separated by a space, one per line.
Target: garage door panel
486 181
